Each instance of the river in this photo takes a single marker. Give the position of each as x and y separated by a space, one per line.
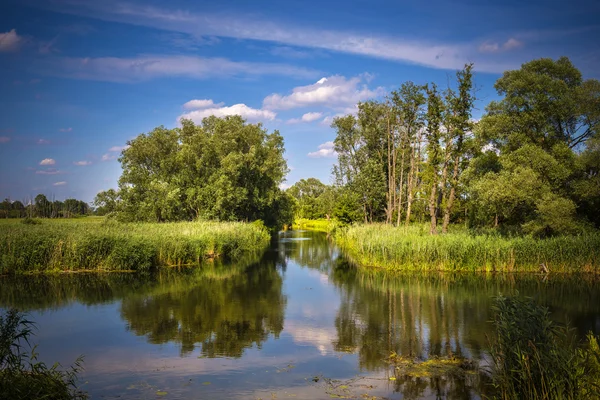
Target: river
298 323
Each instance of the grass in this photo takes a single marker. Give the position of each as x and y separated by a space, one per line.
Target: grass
414 249
97 244
319 225
21 375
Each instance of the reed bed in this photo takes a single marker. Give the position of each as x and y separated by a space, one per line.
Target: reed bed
414 249
79 245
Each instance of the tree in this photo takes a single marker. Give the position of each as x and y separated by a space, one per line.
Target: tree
434 150
106 202
222 169
538 177
307 193
461 107
545 103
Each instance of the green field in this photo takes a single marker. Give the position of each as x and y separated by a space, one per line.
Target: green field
95 244
414 249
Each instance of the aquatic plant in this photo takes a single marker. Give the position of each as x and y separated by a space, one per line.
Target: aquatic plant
534 358
22 376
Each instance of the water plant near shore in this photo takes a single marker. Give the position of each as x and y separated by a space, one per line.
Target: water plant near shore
414 249
22 376
76 245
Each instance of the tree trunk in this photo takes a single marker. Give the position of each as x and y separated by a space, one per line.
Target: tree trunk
432 211
399 218
410 186
451 196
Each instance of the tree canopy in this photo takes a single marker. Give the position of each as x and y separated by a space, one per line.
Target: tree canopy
223 169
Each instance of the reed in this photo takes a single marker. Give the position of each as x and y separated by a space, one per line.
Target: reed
414 249
98 244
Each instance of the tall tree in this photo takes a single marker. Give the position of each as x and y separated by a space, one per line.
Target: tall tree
434 151
462 107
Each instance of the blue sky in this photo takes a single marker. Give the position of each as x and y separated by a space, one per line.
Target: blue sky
78 78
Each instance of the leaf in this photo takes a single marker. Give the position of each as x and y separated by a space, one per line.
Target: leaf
161 393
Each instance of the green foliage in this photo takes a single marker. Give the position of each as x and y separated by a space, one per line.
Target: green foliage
22 377
534 358
223 169
313 199
62 245
412 248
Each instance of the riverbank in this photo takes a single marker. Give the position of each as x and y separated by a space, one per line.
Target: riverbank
97 244
414 249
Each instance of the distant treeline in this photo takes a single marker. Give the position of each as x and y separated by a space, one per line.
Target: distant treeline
41 207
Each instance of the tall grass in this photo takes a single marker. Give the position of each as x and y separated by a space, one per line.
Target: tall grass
76 245
534 358
414 249
22 377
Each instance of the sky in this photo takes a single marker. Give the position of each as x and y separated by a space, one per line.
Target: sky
79 78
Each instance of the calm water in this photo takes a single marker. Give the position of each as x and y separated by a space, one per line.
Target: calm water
299 323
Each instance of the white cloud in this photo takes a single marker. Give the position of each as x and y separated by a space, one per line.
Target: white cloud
512 44
4 139
48 161
308 117
198 104
49 171
325 150
494 47
61 183
135 69
335 91
108 157
10 41
82 163
284 186
249 113
118 149
65 129
428 53
42 141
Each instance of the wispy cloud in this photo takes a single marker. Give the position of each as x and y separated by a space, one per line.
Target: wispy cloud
61 183
334 92
10 41
82 163
66 129
108 157
4 139
42 141
325 150
48 161
48 171
495 47
308 117
118 149
433 54
249 113
142 68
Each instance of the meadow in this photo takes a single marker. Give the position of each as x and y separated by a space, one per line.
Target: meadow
414 249
97 244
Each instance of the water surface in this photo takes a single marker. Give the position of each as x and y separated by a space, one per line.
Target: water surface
298 323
